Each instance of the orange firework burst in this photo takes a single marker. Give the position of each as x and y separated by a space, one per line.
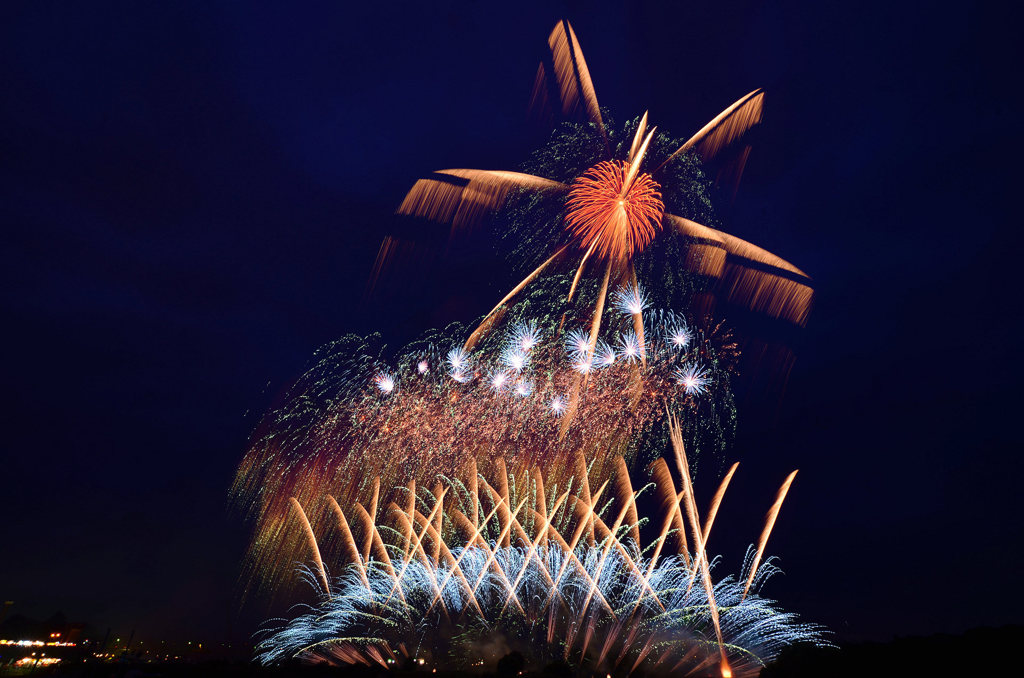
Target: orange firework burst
615 209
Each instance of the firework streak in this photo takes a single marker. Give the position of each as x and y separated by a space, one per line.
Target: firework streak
554 570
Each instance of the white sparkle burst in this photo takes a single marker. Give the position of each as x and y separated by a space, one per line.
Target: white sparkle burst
577 343
693 378
515 358
385 382
630 300
583 366
680 336
458 359
499 381
629 346
525 336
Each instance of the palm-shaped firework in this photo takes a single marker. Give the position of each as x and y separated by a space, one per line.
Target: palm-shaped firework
614 208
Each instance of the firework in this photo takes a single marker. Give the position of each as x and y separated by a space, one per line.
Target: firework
630 300
629 346
525 336
613 206
693 378
680 336
552 567
458 360
499 381
355 417
577 342
557 405
385 382
545 380
515 357
605 355
613 216
583 365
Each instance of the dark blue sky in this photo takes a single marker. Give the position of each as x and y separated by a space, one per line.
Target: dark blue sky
193 193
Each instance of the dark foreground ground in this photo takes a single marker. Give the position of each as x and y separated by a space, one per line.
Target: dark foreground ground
979 652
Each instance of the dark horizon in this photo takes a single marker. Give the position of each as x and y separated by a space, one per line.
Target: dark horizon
194 195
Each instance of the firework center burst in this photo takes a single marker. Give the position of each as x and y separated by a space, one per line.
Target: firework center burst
614 209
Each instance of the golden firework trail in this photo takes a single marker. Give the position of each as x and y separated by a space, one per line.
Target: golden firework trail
516 547
769 523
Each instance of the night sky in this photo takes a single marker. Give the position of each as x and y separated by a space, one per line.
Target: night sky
192 195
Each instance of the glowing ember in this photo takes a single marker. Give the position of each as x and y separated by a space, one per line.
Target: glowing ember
619 217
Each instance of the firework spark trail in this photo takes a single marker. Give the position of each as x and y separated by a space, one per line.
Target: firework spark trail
347 540
669 501
701 564
634 148
769 523
749 275
637 311
490 318
629 185
312 542
483 584
717 500
579 381
541 539
371 515
724 128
